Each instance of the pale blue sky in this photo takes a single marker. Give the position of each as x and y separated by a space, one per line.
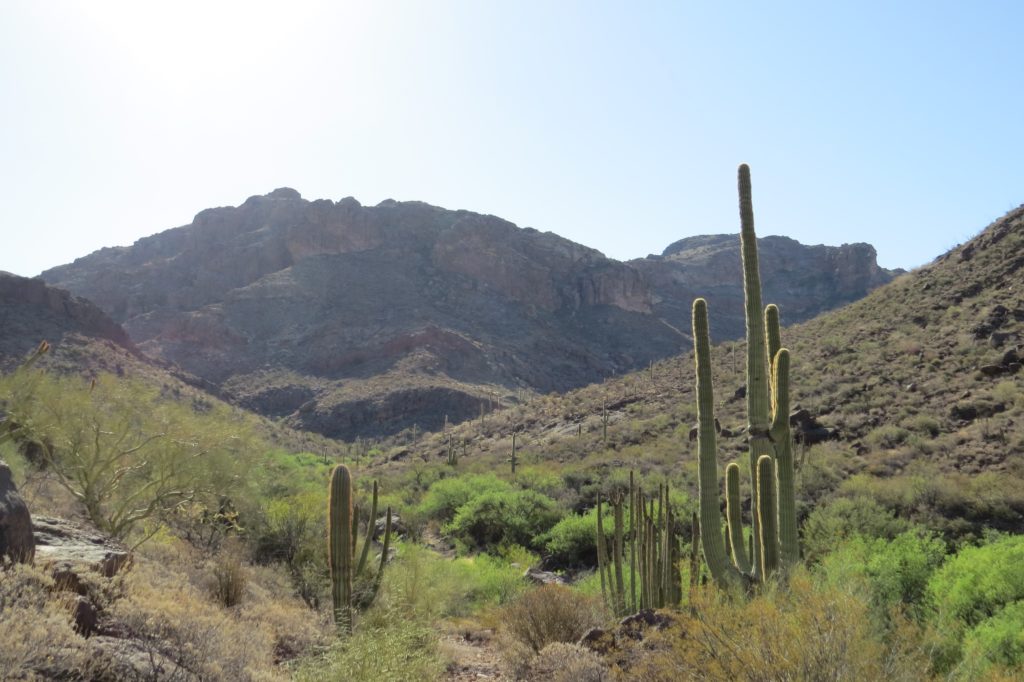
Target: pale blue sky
618 125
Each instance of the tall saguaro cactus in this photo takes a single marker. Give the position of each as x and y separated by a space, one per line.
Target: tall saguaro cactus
340 545
773 506
342 539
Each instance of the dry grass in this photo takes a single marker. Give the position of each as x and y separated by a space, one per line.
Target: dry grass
804 632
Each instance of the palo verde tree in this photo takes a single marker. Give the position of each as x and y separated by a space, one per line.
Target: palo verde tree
126 453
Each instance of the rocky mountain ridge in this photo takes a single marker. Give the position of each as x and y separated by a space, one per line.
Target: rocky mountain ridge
359 321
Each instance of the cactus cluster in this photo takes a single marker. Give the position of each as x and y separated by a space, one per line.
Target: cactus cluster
653 541
342 540
730 560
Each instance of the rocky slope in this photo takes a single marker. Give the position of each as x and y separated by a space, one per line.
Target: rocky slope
802 280
357 321
918 387
31 311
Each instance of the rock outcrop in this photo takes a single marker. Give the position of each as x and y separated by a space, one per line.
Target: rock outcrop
32 311
802 280
16 541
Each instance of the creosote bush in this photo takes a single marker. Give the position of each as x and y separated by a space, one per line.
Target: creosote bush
498 518
549 614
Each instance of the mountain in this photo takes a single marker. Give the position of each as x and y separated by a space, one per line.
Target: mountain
802 280
917 387
360 321
31 311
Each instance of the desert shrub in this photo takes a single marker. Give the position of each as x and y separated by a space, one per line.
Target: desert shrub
549 614
829 525
895 573
37 638
228 577
972 588
175 626
923 423
388 646
561 662
496 519
804 632
445 497
572 542
431 587
887 437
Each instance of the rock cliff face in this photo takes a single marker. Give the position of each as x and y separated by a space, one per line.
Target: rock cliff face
358 321
31 311
803 280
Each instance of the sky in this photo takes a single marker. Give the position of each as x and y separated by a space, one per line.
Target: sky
615 124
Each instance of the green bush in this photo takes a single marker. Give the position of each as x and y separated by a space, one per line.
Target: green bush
445 497
572 542
969 590
500 518
828 526
998 640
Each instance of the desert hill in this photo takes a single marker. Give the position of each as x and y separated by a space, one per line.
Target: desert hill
918 386
354 321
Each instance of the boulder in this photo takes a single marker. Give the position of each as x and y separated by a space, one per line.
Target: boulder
16 541
539 577
69 550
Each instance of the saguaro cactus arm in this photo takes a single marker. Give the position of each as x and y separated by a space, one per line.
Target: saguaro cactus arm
784 468
722 570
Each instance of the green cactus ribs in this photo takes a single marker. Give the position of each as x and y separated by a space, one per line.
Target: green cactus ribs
342 539
773 506
653 539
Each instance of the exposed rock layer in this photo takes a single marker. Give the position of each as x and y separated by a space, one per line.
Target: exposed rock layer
357 321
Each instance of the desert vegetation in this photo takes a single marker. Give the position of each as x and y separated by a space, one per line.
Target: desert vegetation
871 527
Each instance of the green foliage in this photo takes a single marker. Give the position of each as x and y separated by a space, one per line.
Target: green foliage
887 437
428 586
970 589
128 454
830 525
996 641
389 646
572 543
895 573
501 518
445 496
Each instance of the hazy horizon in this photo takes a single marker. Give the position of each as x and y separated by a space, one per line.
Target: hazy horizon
617 127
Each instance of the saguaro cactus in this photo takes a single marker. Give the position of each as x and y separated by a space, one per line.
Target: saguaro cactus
773 506
342 539
340 546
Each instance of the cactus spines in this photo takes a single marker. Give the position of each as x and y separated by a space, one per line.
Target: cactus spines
768 529
339 545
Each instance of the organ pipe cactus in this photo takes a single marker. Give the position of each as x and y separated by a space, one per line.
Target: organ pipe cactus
342 539
653 555
773 505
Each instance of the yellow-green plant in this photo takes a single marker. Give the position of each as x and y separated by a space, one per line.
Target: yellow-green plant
773 506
